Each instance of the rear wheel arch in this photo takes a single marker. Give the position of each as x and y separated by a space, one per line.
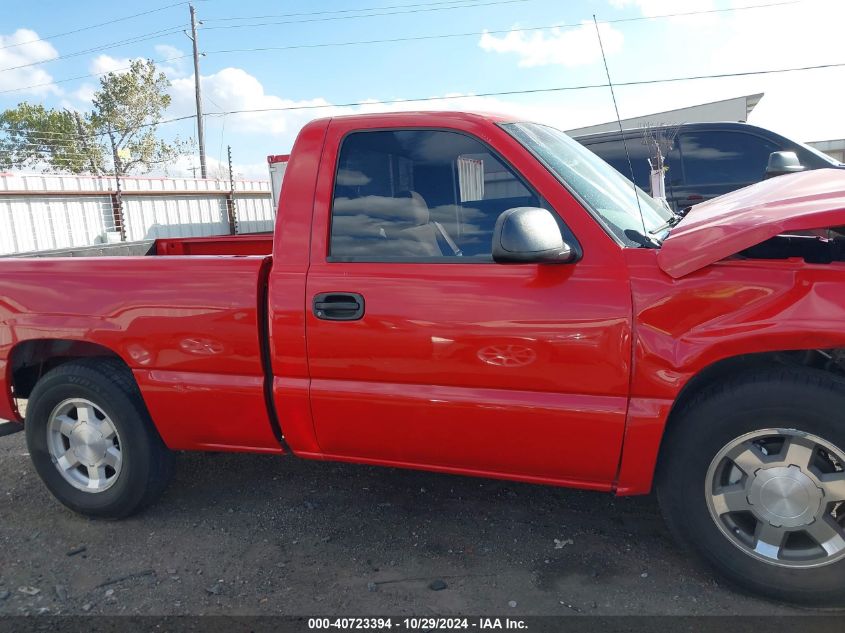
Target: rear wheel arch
30 360
116 425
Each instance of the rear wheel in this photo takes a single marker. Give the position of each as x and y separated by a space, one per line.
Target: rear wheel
752 477
92 441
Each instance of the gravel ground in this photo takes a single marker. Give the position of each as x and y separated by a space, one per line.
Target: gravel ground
246 534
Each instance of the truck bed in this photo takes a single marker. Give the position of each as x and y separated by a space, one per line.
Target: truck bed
257 244
253 244
190 329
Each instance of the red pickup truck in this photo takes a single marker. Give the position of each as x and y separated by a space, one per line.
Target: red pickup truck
474 295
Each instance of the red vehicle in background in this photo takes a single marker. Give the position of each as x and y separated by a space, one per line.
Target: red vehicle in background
469 294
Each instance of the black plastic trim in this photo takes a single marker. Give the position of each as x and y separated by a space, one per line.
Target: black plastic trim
266 353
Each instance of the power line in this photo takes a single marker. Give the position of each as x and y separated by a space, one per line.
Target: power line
175 29
359 10
415 38
99 134
469 3
369 15
67 79
387 41
500 93
573 25
476 33
133 40
499 2
38 138
641 82
92 26
702 12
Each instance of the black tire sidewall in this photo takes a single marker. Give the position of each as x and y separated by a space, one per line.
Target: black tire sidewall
127 492
813 403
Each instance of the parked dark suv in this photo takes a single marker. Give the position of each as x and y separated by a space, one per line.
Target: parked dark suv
708 159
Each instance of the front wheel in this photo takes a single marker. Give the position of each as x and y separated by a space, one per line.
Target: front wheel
92 441
752 477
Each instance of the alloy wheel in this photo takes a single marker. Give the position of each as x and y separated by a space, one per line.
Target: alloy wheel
779 496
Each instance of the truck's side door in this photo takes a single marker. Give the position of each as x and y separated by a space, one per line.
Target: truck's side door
432 354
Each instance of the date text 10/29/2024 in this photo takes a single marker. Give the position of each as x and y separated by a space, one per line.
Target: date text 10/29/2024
416 624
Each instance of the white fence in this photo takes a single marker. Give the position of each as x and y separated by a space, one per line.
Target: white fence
45 212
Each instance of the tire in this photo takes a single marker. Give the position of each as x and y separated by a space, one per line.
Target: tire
771 549
131 466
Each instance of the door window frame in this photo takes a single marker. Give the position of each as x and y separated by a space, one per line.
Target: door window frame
567 233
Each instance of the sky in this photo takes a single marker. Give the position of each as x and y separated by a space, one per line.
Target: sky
325 56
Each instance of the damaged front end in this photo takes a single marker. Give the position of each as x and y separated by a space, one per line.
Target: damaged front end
794 216
822 246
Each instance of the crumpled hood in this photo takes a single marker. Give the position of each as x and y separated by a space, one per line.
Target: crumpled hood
741 219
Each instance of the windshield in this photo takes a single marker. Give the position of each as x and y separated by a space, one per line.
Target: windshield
608 194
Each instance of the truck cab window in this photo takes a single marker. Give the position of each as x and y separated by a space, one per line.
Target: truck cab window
412 194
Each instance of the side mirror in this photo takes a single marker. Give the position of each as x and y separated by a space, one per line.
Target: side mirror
781 163
529 234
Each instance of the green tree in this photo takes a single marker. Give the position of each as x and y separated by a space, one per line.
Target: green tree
127 109
117 136
32 135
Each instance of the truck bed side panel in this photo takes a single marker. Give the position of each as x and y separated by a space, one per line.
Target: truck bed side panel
186 326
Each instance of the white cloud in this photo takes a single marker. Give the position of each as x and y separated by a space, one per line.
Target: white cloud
255 135
19 49
85 93
103 64
166 50
805 105
568 46
235 89
176 66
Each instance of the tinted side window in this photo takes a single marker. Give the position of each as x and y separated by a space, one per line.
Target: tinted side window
613 152
724 157
410 194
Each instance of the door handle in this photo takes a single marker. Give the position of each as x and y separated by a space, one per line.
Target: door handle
338 306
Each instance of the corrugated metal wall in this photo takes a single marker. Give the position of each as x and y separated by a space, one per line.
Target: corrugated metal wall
45 212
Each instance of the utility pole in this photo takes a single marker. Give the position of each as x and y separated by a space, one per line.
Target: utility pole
198 90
